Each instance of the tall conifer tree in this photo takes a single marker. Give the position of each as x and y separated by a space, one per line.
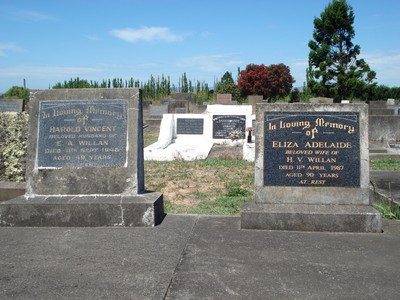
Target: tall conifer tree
334 70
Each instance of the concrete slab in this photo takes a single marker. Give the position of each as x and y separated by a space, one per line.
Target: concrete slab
306 217
91 263
223 262
197 257
83 211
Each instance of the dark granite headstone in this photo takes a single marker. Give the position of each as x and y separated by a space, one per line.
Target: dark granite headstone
223 125
311 149
85 164
82 133
189 126
11 105
311 169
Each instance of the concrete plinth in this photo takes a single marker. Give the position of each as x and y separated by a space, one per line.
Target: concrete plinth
303 217
83 211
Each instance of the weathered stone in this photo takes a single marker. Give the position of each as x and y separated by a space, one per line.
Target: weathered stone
84 162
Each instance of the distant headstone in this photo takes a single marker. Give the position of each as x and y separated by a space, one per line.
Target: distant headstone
223 125
180 110
187 97
312 171
181 105
158 110
11 105
322 100
225 99
253 100
85 162
377 104
189 125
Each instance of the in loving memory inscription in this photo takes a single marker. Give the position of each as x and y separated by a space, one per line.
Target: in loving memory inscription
82 133
311 149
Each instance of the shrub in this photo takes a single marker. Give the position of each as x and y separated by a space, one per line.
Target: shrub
13 142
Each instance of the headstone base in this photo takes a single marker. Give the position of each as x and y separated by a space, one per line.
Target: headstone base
303 217
83 211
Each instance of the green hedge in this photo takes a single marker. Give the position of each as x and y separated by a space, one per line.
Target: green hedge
13 141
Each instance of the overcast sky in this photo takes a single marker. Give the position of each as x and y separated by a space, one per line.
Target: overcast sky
48 41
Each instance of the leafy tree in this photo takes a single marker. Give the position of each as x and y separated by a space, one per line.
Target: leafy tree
227 86
334 70
272 82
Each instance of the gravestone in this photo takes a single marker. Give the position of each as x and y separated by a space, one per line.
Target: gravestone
223 125
323 100
85 164
11 105
180 110
253 100
311 170
190 126
225 99
158 110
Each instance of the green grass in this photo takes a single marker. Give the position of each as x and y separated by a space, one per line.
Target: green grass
385 164
389 210
211 187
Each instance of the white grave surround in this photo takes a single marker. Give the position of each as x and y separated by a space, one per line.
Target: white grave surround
171 146
249 149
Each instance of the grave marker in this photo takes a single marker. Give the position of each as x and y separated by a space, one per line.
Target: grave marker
225 99
312 169
189 125
85 164
223 125
11 105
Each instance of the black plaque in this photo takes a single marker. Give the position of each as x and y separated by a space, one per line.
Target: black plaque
223 125
189 126
311 149
82 133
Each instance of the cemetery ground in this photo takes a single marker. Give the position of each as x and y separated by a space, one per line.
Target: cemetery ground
216 186
220 184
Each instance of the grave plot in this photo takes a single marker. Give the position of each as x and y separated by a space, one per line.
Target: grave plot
311 170
85 162
191 136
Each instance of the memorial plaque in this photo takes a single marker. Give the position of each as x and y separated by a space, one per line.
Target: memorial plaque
311 149
223 125
190 126
82 133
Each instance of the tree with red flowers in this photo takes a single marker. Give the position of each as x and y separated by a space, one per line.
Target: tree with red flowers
272 82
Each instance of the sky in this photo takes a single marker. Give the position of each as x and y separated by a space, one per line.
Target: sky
50 41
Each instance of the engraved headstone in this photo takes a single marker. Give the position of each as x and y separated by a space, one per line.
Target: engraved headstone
223 125
312 170
85 162
11 105
190 126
